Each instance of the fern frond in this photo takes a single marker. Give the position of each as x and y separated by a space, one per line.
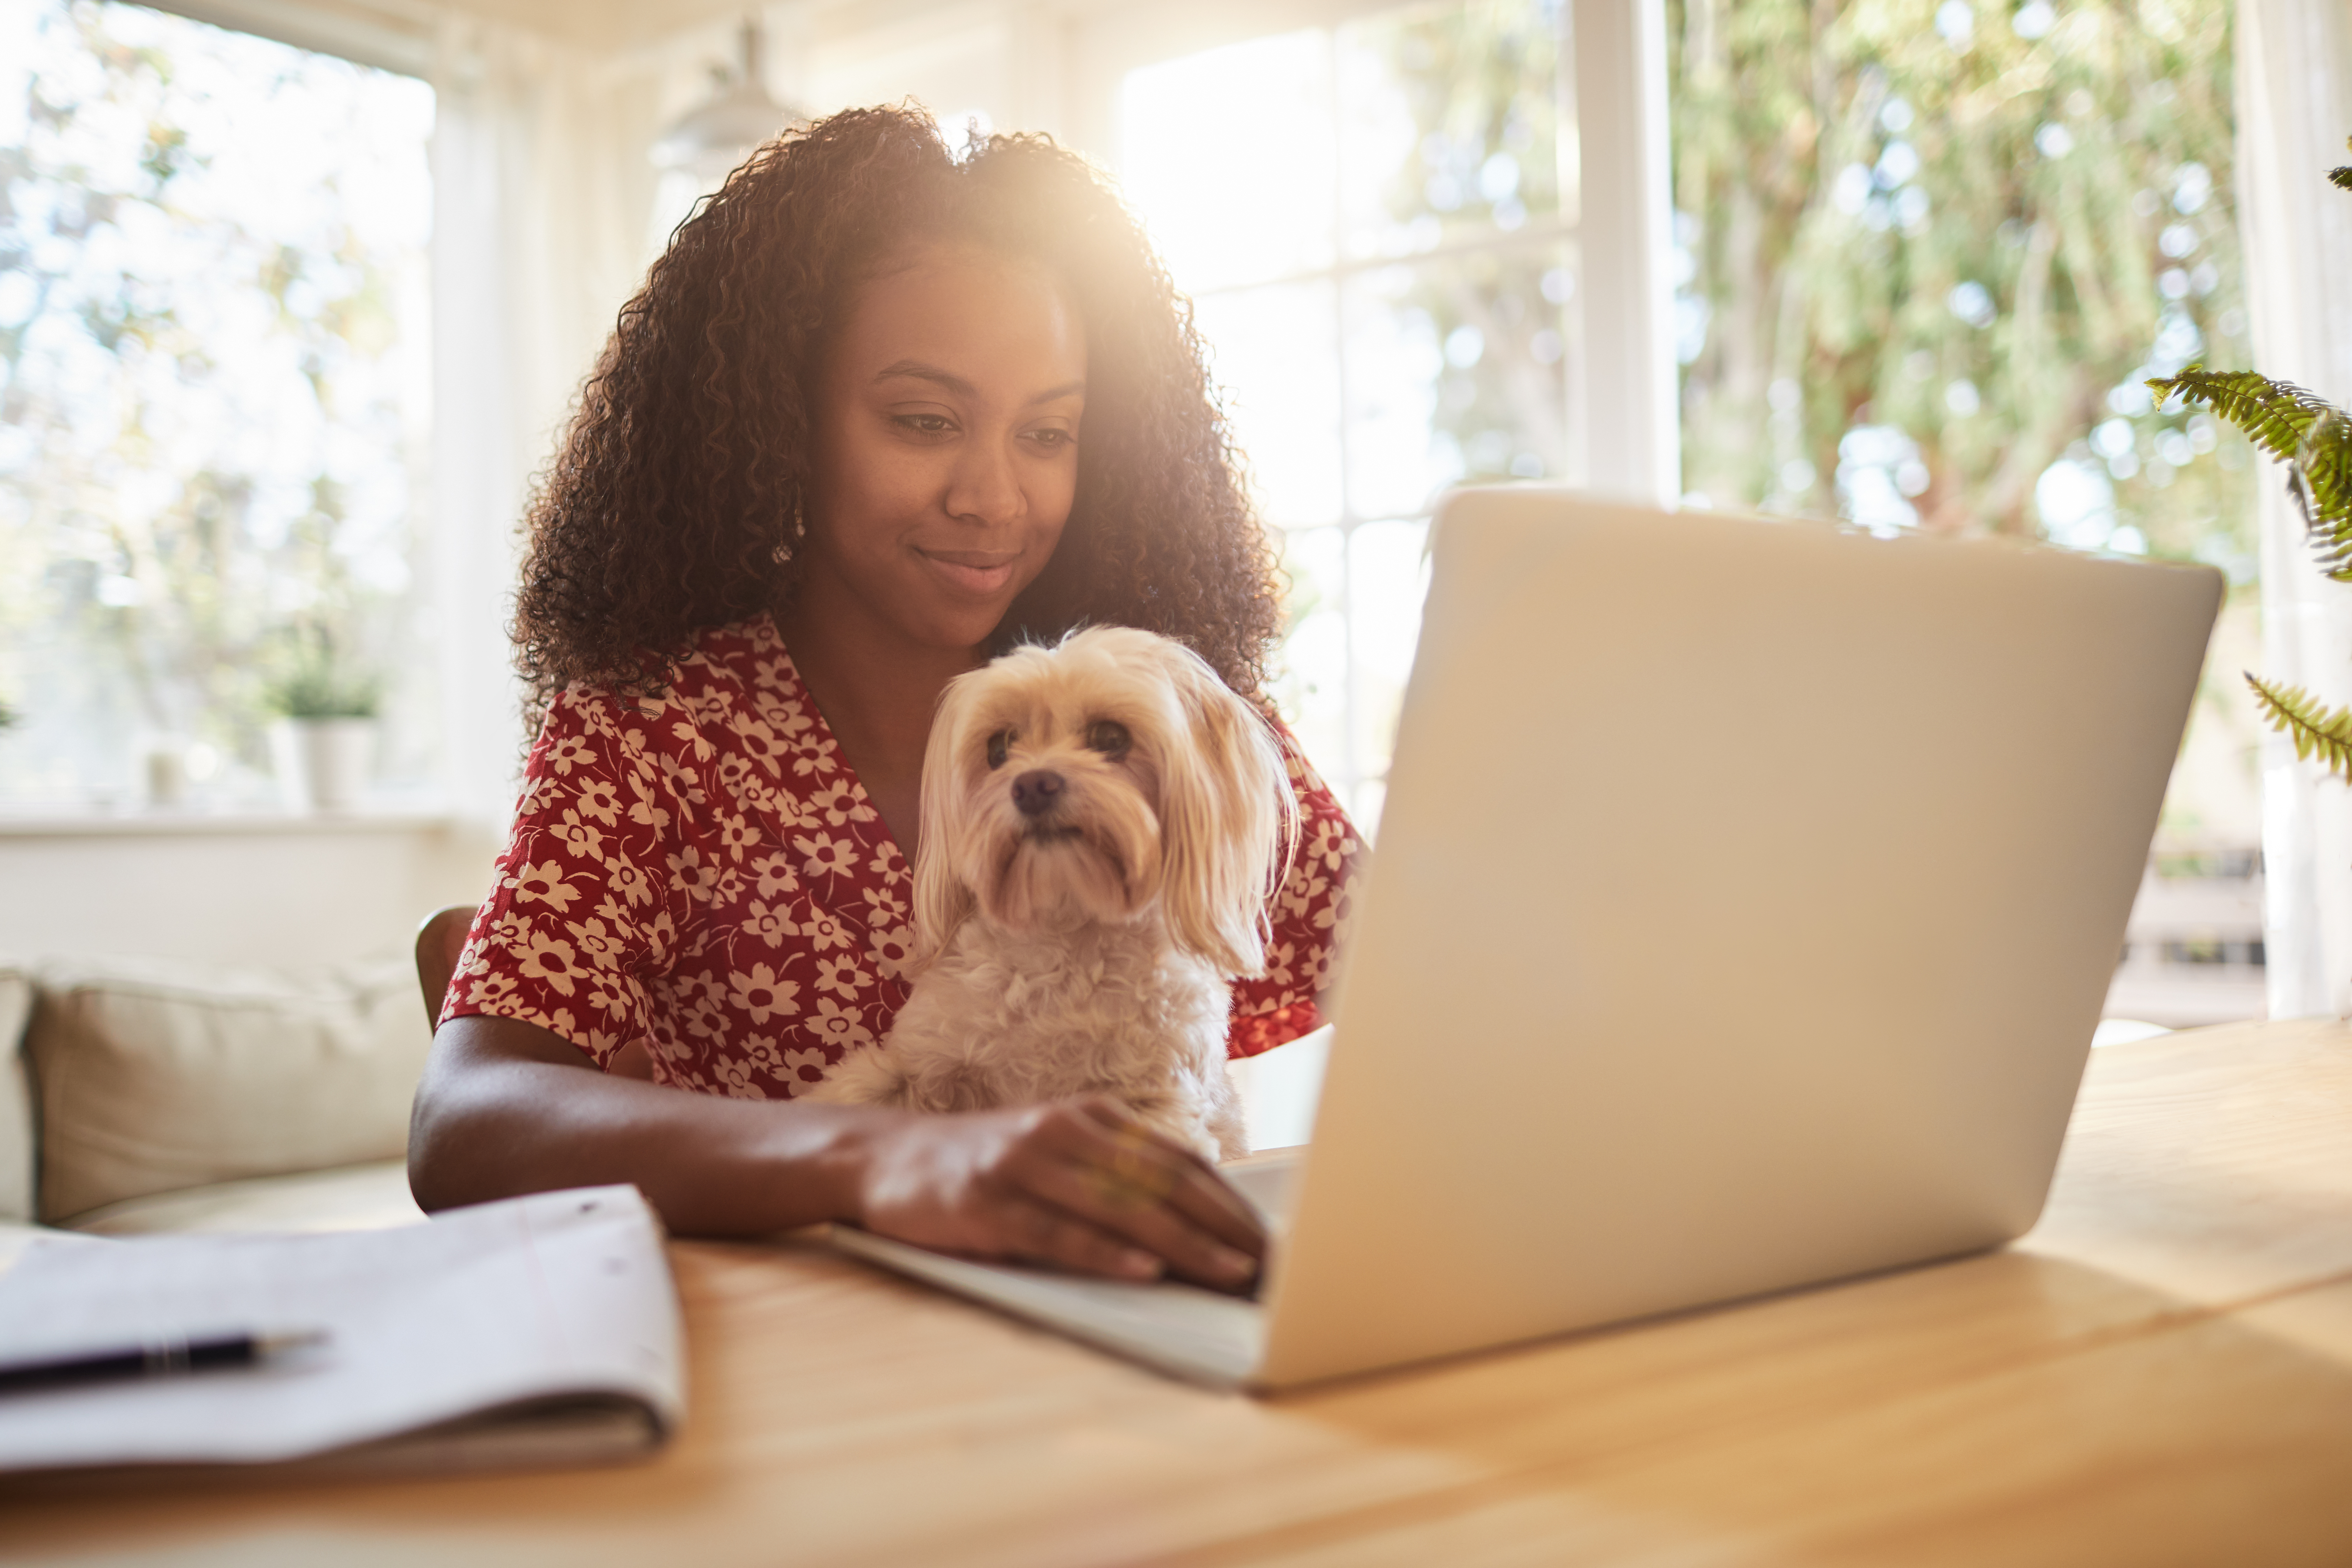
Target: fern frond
2321 482
2302 428
2276 415
2296 713
2340 178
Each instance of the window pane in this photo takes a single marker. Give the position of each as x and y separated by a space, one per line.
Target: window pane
1273 352
1450 119
1457 371
1228 155
212 336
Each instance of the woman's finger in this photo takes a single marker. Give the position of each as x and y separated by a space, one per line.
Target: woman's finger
1043 1233
1146 1190
1111 1134
1137 1217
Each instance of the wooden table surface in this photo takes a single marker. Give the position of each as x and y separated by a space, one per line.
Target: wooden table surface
2161 1373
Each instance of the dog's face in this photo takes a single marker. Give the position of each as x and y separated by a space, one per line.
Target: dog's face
1102 779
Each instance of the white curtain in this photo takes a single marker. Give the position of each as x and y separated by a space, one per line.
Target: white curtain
2294 112
542 192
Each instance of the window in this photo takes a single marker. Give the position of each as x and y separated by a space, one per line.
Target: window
1376 224
213 336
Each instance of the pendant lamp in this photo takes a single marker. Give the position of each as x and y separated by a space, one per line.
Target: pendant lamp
711 139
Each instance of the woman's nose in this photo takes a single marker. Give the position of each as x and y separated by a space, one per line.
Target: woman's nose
984 487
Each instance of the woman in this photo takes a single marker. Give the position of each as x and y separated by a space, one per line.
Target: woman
877 413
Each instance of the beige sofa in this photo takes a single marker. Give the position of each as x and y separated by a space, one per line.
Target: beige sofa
140 1096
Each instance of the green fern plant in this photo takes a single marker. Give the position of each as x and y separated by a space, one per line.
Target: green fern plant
2311 435
2316 732
2313 438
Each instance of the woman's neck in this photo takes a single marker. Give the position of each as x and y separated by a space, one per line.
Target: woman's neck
876 689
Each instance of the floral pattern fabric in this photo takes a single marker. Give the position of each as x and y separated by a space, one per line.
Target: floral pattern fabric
701 871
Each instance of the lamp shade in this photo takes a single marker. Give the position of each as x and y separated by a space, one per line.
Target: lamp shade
716 135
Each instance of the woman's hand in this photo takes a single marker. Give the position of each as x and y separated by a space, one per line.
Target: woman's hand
1079 1183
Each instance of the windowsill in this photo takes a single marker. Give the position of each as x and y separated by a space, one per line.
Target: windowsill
143 823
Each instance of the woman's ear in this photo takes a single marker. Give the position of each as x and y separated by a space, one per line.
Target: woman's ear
1228 822
943 898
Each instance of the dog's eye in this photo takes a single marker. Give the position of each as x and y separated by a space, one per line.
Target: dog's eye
1110 736
999 745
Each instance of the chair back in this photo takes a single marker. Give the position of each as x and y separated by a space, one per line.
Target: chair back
439 941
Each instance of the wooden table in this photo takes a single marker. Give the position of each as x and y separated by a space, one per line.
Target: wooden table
2161 1374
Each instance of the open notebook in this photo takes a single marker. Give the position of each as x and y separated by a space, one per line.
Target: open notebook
537 1330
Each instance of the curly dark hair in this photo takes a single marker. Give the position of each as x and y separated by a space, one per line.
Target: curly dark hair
674 502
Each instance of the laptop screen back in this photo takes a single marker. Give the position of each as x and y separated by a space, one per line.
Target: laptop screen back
1744 901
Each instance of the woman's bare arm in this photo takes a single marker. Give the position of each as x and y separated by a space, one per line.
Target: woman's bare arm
508 1108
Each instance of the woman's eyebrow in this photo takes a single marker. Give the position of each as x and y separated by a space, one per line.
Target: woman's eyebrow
921 371
917 370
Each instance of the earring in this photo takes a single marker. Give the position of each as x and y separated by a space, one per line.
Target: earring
783 553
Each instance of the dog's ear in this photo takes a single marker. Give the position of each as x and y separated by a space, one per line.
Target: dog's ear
1228 821
944 900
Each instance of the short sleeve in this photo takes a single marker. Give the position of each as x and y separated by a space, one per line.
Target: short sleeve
1309 918
579 917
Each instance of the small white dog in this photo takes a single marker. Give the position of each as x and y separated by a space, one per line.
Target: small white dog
1102 824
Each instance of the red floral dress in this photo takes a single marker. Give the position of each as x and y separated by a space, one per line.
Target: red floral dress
701 871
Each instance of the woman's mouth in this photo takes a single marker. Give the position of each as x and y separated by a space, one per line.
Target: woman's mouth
980 573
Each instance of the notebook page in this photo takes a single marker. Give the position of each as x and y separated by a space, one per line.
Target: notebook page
553 1294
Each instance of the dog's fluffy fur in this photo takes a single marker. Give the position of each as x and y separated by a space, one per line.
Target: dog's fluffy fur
1102 823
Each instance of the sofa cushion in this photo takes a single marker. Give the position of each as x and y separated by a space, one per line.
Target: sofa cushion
354 1197
17 1128
153 1076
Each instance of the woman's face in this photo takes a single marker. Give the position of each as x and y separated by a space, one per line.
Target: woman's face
947 432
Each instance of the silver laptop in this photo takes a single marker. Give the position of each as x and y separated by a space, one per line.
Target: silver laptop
1744 901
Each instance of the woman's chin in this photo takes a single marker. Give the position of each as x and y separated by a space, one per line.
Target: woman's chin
953 620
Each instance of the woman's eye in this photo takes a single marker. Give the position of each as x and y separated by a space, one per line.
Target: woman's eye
923 424
1110 736
1051 439
998 746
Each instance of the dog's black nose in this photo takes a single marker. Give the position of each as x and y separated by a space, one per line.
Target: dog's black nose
1034 792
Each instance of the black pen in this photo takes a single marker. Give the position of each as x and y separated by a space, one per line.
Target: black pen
155 1358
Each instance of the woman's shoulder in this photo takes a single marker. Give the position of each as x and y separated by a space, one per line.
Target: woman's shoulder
730 693
738 645
742 660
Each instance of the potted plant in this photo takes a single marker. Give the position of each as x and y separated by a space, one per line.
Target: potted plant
323 743
2313 438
